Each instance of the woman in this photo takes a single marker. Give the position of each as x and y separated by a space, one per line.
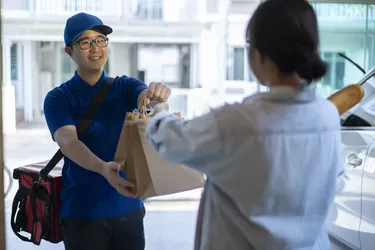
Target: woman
271 161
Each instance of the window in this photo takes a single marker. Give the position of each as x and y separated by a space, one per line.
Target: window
363 114
79 5
71 5
149 9
348 29
94 5
237 66
336 69
14 62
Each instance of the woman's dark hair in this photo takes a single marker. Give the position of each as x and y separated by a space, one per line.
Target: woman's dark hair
286 31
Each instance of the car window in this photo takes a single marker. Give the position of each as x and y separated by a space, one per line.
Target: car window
363 114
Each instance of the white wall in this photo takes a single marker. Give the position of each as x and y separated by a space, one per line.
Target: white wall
123 59
48 57
31 84
19 82
180 10
160 63
119 59
49 63
243 7
37 58
237 30
208 58
16 4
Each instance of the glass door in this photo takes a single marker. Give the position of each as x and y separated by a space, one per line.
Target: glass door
2 217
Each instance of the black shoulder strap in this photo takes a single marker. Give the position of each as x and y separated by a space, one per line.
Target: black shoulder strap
81 128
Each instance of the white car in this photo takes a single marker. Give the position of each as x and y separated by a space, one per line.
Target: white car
351 220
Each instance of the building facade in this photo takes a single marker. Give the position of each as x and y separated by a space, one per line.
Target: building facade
195 46
154 40
347 28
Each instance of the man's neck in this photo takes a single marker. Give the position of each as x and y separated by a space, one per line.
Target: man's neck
91 77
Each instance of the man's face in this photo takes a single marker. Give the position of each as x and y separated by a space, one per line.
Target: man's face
89 58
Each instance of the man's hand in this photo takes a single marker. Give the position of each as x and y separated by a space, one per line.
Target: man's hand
157 91
110 171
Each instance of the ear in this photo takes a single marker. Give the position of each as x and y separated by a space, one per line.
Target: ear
69 50
259 56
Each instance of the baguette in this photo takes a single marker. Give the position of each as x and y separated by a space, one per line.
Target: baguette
347 97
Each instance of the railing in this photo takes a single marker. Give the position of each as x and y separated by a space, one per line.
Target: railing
149 10
114 8
166 10
345 12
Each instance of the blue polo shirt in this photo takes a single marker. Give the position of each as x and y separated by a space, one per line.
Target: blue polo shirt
87 194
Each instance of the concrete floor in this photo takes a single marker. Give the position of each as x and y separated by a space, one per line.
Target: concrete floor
169 225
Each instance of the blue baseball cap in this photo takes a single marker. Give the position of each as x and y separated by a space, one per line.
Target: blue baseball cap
81 22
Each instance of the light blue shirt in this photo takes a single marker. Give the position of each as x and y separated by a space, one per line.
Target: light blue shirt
271 164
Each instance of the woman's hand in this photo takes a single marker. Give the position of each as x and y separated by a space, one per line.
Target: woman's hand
159 106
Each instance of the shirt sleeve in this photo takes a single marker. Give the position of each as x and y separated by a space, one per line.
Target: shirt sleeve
57 111
195 143
133 87
340 169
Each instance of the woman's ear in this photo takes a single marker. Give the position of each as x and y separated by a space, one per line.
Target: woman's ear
259 56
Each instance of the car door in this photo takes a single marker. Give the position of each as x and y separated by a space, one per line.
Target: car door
365 111
367 225
344 218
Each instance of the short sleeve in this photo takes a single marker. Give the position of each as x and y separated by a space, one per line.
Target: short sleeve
57 111
133 87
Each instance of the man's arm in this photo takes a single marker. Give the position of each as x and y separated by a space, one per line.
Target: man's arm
63 129
67 139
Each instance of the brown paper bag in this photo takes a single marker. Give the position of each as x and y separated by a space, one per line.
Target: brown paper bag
124 156
152 175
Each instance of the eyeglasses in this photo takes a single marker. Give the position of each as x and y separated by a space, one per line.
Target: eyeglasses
86 43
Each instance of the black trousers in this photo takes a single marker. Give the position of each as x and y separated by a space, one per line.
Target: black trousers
121 233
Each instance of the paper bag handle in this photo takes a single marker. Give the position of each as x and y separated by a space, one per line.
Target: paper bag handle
142 103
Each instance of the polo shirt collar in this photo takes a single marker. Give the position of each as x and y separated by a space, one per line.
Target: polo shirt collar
78 83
